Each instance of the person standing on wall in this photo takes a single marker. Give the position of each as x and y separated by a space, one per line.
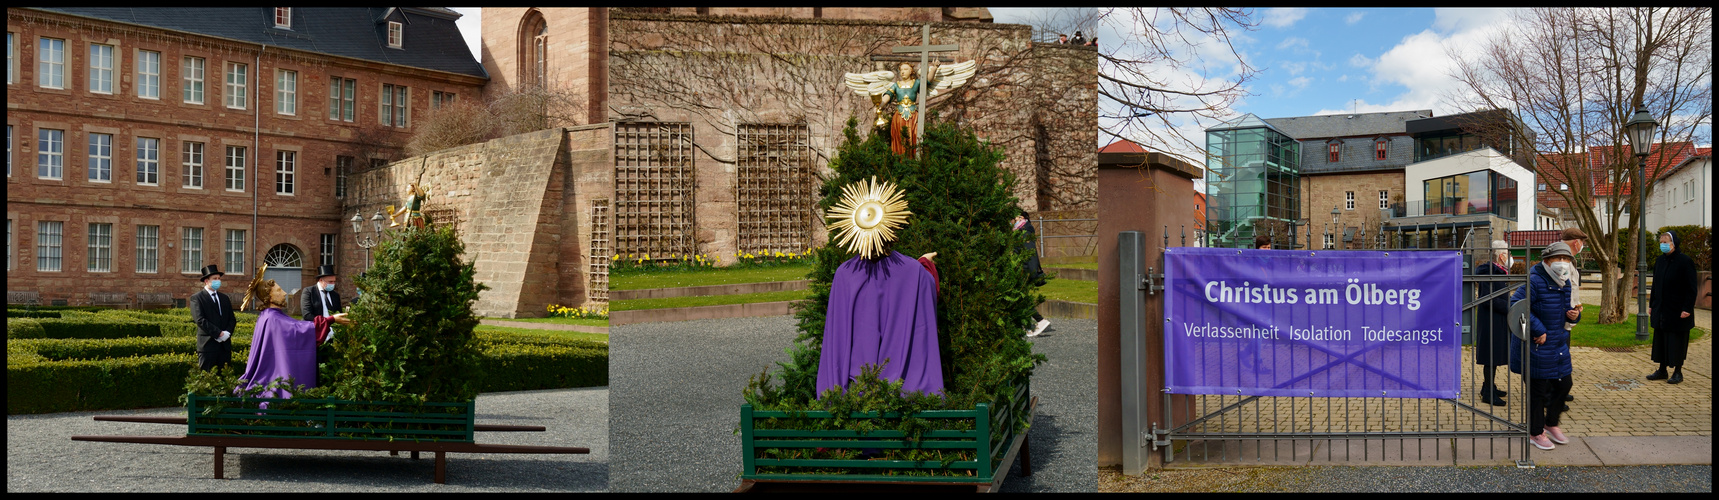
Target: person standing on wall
1550 283
212 312
1491 336
1671 307
320 300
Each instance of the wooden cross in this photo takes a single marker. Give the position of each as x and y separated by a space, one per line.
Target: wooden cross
924 51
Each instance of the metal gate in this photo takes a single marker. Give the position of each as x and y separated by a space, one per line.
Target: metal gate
1265 429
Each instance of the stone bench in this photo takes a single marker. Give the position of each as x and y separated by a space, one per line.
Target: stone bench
149 300
116 299
23 298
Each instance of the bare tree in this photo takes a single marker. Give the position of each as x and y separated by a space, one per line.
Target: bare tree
454 124
1574 77
1158 77
1049 23
511 112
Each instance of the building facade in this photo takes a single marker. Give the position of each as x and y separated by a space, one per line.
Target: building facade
1680 197
144 144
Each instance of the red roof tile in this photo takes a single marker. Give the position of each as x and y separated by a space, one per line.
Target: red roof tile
1122 146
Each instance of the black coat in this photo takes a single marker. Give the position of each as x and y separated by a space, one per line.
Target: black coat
1674 290
1491 327
310 302
212 319
1035 272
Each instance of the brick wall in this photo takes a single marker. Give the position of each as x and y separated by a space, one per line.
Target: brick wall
298 218
1319 193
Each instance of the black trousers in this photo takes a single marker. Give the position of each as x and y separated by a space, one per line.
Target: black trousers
1546 402
213 358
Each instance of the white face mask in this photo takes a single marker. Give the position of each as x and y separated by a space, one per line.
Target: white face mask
1562 270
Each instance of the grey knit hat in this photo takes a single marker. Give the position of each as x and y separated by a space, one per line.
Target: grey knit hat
1559 249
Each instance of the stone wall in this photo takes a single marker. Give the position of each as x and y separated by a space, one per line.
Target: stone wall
783 70
1320 193
518 203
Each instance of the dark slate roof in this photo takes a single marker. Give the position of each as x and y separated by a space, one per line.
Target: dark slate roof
1457 121
1302 128
432 41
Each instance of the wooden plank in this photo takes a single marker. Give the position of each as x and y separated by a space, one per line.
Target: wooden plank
334 444
182 420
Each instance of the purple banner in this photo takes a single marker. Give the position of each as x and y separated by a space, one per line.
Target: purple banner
1299 323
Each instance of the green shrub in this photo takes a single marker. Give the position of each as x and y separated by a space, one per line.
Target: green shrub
1697 243
48 386
18 313
521 366
24 328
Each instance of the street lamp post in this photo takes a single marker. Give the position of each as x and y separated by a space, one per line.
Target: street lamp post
1640 130
363 241
1334 225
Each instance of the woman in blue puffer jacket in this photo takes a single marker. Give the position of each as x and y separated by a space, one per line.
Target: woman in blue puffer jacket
1550 284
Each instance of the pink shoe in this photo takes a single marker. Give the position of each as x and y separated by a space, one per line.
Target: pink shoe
1541 442
1557 435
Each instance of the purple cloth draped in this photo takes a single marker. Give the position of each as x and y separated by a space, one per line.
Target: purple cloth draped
882 310
281 347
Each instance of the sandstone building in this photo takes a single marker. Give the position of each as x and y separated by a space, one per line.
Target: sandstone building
146 143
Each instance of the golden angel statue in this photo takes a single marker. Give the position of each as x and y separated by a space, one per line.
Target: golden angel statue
413 209
903 90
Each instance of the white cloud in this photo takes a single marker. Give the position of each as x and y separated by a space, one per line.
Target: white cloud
1292 42
1283 17
1300 82
1456 20
1360 61
1353 17
1421 63
1343 78
1295 68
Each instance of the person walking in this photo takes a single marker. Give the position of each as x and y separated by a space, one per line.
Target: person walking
1550 284
1671 307
1576 239
1035 272
1491 337
212 312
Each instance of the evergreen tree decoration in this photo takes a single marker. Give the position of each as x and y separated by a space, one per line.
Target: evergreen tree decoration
962 210
413 339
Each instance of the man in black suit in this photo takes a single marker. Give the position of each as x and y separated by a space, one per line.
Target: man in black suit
320 299
212 312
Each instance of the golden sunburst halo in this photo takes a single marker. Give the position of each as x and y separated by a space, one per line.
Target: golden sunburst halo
867 216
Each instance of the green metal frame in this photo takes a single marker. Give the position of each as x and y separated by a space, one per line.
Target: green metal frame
330 419
986 417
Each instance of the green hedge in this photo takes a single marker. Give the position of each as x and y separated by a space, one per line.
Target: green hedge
16 313
46 375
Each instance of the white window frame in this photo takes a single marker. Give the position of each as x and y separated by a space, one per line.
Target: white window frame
98 167
286 92
233 252
283 18
191 165
286 169
101 68
395 101
9 241
342 99
50 153
329 244
1330 241
11 63
1384 199
148 249
48 235
51 63
99 258
148 74
148 161
342 165
235 168
1349 200
191 75
190 250
396 35
234 92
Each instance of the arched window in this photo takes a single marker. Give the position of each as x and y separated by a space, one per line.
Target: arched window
534 49
284 255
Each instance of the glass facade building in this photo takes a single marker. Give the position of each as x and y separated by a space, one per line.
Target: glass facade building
1255 183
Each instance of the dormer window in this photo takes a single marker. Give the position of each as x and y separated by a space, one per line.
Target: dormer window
396 35
1331 150
283 17
1379 149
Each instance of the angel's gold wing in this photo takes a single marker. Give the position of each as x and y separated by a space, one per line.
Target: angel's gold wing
870 84
954 75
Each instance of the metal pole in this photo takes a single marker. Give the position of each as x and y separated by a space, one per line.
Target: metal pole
1130 249
924 64
1641 248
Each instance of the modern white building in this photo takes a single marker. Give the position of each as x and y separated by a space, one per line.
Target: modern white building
1680 197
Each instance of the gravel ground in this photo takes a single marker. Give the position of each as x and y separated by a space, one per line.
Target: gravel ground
41 457
677 396
1393 479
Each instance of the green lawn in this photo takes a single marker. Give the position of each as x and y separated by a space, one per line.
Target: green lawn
559 321
1085 292
1591 334
1076 265
594 337
711 300
702 277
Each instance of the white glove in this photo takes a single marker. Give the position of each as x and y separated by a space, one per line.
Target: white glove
224 336
330 337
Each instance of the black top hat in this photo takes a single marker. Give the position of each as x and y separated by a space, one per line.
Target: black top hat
211 270
324 271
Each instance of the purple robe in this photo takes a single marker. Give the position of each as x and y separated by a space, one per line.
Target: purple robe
883 309
282 347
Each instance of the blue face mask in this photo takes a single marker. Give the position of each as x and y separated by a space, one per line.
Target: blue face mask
214 284
1664 248
328 287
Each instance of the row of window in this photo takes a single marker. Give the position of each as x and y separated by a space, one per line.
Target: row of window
1349 199
99 256
51 153
1334 150
342 92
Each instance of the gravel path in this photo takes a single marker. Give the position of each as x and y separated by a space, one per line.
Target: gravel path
677 394
41 457
1389 479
